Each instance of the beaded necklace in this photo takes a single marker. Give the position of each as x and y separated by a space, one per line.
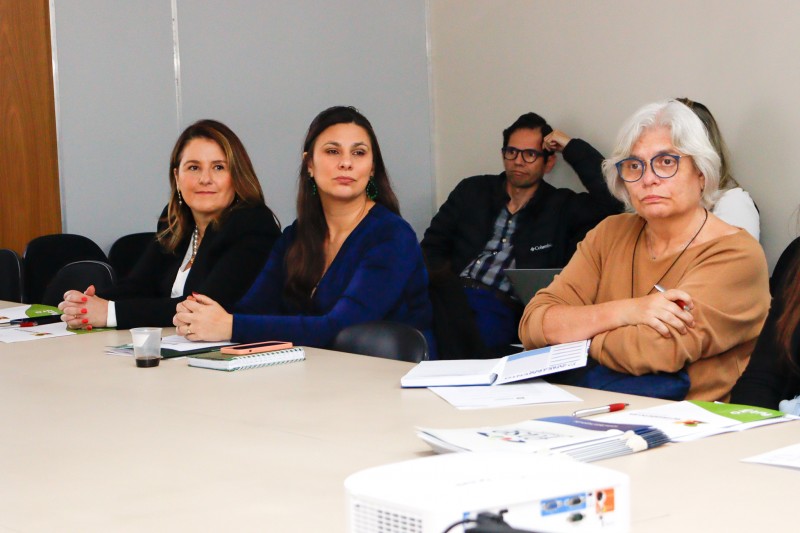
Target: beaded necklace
195 246
636 245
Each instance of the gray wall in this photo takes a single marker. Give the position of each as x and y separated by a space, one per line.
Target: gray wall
117 114
264 68
588 65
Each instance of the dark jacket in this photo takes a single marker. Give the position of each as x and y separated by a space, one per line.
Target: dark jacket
549 227
228 260
769 377
548 230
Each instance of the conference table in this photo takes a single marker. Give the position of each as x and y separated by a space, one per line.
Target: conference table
90 442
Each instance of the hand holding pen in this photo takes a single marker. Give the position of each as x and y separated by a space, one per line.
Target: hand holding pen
669 311
661 311
680 303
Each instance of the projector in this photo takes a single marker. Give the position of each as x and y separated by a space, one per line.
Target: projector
541 493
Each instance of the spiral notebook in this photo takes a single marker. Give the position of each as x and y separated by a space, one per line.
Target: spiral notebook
229 363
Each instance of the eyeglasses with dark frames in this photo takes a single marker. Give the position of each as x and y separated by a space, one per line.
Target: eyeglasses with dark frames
664 166
529 155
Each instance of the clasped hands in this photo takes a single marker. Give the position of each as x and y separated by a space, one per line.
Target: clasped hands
84 310
199 318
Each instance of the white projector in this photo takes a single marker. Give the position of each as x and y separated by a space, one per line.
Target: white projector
542 494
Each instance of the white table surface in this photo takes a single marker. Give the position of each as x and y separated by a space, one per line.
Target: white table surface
92 443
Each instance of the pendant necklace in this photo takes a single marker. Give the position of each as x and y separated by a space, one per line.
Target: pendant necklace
636 245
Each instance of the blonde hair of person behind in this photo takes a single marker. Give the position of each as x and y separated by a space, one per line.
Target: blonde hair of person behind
248 193
726 180
688 136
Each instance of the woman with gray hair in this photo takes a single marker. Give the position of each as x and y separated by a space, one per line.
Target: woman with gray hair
672 297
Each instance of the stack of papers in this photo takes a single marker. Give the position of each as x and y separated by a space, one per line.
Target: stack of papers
579 438
690 420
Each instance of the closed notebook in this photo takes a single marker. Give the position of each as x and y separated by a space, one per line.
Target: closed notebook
221 361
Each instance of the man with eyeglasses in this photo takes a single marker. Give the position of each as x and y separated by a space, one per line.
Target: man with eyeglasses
512 220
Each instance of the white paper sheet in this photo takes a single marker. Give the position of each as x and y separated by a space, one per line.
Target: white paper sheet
13 313
47 331
179 343
788 456
486 397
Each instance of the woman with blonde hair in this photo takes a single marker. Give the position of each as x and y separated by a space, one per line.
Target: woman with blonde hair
213 237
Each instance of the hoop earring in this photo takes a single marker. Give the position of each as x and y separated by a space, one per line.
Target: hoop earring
372 189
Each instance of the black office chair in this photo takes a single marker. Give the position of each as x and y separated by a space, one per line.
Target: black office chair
127 250
390 340
46 255
11 276
78 276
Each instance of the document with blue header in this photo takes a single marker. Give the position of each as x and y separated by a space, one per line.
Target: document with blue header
515 367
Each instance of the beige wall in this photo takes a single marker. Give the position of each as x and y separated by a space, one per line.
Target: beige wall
587 65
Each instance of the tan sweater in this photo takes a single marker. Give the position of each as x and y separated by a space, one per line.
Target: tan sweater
726 277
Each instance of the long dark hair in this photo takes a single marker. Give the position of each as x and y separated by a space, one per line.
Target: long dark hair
248 193
790 315
305 258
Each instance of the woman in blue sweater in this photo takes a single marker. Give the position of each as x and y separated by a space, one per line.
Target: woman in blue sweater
348 258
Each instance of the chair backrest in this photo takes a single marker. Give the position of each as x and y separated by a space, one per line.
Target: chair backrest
46 255
11 276
78 276
127 250
390 340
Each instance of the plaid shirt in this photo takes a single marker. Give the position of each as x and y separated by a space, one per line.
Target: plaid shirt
496 256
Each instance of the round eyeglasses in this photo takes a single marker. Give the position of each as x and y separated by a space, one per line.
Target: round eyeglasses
529 155
664 166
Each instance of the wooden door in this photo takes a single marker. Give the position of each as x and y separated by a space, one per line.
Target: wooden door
30 203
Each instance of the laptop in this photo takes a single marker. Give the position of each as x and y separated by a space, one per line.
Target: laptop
526 281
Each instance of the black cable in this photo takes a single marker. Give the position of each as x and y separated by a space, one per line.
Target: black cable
459 523
488 523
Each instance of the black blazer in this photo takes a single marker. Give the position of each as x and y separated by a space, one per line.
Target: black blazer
228 260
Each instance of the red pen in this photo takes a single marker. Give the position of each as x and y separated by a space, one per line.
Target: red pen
600 410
